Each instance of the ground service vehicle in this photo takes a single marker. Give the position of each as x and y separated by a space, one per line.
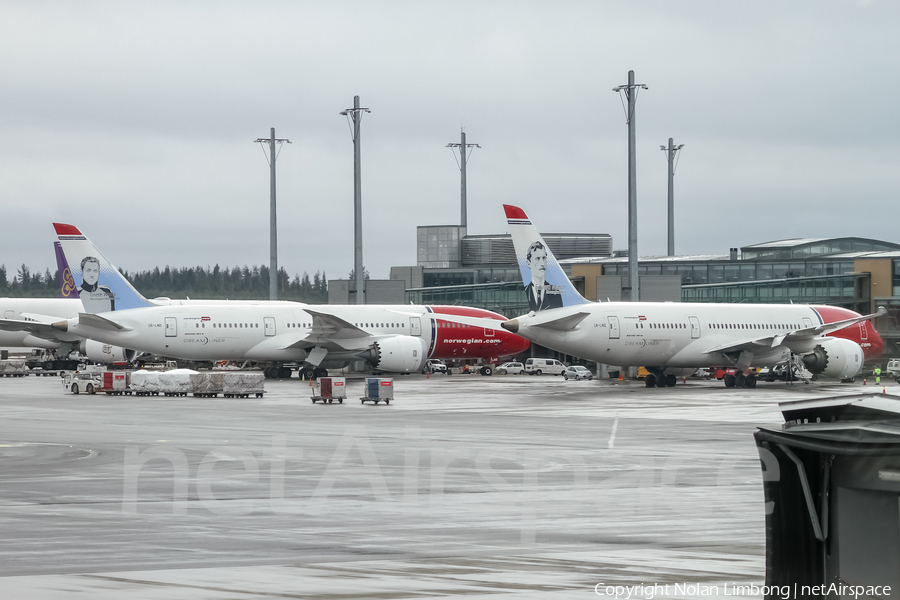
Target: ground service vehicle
893 368
437 366
577 372
544 366
511 368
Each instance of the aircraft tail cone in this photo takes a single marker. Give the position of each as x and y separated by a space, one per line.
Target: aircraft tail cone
511 326
61 325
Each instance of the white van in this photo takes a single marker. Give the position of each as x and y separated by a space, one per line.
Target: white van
893 368
549 366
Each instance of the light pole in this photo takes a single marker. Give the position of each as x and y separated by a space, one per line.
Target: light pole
273 229
465 150
630 91
671 151
354 117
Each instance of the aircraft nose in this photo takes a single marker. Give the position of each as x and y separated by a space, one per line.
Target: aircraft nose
512 325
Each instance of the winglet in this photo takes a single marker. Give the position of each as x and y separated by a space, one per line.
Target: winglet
546 284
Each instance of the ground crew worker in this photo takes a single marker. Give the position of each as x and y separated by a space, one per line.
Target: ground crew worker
877 374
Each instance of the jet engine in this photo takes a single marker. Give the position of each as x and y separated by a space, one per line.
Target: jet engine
104 353
397 354
836 358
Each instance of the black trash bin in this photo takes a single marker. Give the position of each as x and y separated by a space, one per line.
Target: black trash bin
831 478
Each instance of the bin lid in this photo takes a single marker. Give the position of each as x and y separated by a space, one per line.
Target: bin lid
855 407
853 424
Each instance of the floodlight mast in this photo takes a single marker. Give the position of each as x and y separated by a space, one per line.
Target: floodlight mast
671 151
631 91
273 229
464 154
354 117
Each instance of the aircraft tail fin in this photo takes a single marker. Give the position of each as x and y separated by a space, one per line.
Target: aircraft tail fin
546 284
66 282
93 278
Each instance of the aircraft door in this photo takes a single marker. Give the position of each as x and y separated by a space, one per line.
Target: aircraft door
171 327
613 327
415 326
807 322
269 326
695 327
10 314
488 332
863 331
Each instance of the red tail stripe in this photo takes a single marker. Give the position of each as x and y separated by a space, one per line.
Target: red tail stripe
514 212
63 229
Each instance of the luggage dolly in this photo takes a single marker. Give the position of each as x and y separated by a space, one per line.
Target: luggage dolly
375 400
324 399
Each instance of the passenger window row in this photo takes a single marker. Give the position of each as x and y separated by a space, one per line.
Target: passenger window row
762 326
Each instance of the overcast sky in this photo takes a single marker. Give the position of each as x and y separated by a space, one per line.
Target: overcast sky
135 122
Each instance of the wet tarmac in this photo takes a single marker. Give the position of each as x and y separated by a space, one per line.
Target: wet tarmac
504 486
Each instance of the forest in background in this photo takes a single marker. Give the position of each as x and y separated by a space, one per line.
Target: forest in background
236 283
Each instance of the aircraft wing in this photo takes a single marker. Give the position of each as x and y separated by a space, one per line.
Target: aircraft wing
805 334
330 331
33 327
39 329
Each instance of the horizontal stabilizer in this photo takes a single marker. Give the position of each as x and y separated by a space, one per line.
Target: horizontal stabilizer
567 323
98 322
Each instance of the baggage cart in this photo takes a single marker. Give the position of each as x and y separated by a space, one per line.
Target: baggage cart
378 389
329 389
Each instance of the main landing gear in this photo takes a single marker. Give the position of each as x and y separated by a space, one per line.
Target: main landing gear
660 380
309 372
740 380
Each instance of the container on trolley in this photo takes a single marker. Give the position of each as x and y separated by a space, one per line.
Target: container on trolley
378 389
329 389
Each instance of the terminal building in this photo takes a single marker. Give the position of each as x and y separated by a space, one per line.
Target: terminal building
481 271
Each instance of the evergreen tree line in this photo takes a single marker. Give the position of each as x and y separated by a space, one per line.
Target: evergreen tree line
247 283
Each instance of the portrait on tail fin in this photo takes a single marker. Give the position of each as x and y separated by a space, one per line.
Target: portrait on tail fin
541 294
96 298
546 284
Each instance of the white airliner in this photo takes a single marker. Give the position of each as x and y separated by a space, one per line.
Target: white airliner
321 336
22 314
672 339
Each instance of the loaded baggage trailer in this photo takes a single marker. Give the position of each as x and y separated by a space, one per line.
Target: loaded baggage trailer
378 389
329 389
13 367
176 383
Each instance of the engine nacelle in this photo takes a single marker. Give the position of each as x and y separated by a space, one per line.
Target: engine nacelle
397 354
105 353
836 358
